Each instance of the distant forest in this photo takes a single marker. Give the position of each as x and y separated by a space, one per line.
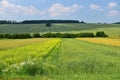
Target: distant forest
117 23
39 21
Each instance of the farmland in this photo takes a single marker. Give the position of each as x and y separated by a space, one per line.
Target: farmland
113 30
107 41
59 39
61 59
8 43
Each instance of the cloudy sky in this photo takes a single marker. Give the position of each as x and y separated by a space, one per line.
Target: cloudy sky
86 10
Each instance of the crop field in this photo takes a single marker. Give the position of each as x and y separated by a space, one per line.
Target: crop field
107 41
12 43
113 30
61 59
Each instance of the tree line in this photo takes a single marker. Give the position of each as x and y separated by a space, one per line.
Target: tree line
8 22
53 35
38 21
48 21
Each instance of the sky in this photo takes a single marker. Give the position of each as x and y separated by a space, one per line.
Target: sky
92 11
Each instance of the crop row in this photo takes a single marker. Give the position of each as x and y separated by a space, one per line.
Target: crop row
27 54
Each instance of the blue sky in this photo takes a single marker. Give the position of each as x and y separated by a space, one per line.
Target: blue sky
86 10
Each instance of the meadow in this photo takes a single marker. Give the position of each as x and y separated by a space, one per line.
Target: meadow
61 59
113 30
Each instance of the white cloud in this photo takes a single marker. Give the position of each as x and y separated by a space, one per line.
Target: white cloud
58 9
9 8
112 5
95 7
113 13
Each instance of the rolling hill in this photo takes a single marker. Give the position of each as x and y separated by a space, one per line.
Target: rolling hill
110 29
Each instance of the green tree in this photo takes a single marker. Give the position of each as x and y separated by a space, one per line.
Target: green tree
36 35
48 24
101 34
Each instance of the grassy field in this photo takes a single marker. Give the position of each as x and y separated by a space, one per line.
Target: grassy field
61 59
110 29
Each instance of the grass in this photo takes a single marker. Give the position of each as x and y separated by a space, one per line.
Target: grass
107 41
74 60
13 43
110 29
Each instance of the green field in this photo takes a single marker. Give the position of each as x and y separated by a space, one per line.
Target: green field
110 29
61 59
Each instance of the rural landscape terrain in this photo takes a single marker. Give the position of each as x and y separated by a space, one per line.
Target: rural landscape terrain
89 58
59 39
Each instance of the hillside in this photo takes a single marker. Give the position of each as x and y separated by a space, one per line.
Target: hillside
110 29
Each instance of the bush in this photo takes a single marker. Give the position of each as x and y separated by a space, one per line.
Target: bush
20 36
36 35
1 36
85 35
69 35
53 35
101 34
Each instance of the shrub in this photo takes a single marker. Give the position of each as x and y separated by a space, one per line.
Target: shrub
27 35
101 34
48 35
53 35
85 35
20 36
36 35
1 36
69 35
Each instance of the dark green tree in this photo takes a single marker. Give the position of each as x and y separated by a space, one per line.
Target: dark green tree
101 34
36 35
48 24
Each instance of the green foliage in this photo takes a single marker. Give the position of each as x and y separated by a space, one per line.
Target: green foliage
1 36
31 68
48 24
36 35
16 36
101 34
53 35
20 36
2 66
66 35
85 35
48 21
